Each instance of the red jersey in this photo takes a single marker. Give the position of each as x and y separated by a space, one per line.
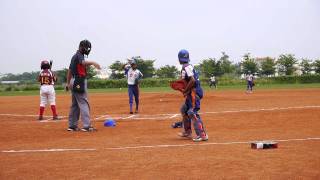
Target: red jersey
46 77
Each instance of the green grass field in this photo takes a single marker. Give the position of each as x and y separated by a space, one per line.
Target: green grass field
167 89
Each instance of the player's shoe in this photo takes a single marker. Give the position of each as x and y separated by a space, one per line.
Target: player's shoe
88 129
177 125
131 112
185 135
56 118
73 129
199 138
137 111
40 118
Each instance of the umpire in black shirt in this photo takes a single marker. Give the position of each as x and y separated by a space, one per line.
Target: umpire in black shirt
77 83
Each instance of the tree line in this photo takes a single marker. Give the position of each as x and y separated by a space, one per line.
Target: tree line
285 64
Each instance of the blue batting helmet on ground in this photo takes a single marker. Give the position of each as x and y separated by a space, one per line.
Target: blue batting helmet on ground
183 56
109 123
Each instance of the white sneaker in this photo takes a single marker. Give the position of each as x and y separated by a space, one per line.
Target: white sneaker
199 138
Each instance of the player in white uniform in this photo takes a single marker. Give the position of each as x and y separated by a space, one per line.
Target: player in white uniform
250 83
133 75
213 82
47 93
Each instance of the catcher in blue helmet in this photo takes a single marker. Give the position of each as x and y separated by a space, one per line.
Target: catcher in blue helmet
193 94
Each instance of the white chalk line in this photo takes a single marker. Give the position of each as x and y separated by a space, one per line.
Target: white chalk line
45 150
205 144
155 146
167 116
27 115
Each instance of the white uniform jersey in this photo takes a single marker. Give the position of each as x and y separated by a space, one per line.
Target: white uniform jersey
249 77
213 79
132 75
187 71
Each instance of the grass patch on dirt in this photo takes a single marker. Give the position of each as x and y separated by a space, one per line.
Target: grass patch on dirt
168 89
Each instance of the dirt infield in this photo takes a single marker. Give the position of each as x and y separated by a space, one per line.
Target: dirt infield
144 146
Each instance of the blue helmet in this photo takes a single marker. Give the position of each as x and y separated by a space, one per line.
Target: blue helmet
109 123
183 56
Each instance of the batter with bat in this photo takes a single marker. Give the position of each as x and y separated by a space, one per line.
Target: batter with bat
47 79
189 85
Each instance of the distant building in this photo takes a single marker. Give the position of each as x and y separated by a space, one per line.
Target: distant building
104 73
9 82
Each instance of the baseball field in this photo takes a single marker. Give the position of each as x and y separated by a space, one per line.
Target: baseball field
144 146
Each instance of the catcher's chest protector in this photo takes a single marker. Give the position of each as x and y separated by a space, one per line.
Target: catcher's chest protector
197 85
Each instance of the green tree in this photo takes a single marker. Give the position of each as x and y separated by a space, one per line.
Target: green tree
306 66
167 72
316 65
198 69
62 75
237 68
249 64
207 67
226 64
286 64
146 67
91 72
24 77
268 66
117 71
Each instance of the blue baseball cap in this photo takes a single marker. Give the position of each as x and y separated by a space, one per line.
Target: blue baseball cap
183 56
133 60
109 123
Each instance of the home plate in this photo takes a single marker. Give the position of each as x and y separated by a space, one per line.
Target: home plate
264 145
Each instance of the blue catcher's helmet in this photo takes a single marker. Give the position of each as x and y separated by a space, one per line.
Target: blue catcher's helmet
183 56
109 123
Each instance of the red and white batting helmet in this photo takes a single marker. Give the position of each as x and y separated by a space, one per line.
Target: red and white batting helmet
45 64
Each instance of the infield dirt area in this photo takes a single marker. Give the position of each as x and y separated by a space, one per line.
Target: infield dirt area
144 146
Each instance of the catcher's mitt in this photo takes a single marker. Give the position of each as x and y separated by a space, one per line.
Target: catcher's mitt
179 85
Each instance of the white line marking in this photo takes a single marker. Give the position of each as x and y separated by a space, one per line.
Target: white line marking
26 115
128 117
171 116
100 117
263 109
156 146
45 150
204 144
175 115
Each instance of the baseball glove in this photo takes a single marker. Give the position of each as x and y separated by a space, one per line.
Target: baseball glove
179 85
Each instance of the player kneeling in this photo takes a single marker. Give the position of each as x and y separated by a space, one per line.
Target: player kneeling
47 93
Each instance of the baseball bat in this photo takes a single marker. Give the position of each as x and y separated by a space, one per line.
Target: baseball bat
51 64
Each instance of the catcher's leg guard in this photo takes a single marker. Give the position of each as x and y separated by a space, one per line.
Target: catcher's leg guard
186 121
198 125
187 124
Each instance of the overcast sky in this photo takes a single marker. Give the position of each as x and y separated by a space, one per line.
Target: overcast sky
32 30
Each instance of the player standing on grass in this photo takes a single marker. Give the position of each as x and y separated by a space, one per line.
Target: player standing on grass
133 76
77 82
193 94
250 83
213 82
47 93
